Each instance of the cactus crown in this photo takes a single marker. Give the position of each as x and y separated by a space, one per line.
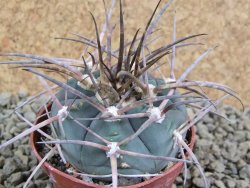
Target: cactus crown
113 109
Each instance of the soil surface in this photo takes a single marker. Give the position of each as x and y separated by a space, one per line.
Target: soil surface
30 26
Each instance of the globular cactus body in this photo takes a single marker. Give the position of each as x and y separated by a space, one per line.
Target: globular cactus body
155 140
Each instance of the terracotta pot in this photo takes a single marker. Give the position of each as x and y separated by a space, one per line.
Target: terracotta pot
63 180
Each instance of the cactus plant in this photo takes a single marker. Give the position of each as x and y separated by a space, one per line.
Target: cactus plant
113 116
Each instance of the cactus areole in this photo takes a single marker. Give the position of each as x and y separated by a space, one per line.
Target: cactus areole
156 140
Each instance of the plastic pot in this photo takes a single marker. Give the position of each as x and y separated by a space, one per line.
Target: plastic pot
63 180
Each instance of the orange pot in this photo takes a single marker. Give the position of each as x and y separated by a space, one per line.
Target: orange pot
63 180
